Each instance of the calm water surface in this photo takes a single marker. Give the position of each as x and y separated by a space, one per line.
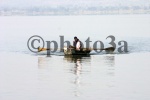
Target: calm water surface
28 76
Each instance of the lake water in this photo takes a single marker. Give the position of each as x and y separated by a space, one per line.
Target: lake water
25 75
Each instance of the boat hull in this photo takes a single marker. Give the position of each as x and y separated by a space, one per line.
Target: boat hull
71 51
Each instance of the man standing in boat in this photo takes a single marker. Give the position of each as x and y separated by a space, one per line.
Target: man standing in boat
77 44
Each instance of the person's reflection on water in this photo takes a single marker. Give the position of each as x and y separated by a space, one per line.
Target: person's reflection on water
77 60
77 70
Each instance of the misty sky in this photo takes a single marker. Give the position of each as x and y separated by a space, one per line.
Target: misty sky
56 3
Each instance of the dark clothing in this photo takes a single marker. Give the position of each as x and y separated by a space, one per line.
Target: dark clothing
74 43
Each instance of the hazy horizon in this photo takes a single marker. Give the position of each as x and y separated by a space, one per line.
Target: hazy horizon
80 3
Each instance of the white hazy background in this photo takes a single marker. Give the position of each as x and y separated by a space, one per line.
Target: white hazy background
28 76
55 3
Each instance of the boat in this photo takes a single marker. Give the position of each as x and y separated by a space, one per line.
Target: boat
85 51
67 51
72 51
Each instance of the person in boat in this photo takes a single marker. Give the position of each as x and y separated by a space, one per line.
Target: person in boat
77 44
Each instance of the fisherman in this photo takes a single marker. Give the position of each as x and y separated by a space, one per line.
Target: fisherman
77 44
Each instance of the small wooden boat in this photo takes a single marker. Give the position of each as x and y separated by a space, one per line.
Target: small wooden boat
72 51
83 51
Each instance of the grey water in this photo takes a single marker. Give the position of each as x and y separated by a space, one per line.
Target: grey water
25 75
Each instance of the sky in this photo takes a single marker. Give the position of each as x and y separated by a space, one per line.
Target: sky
56 3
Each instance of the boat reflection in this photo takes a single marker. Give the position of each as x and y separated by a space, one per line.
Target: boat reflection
77 63
43 62
79 72
85 67
80 66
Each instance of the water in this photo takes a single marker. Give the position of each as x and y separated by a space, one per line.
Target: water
28 76
16 30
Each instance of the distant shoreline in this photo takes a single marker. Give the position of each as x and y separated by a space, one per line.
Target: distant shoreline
80 12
